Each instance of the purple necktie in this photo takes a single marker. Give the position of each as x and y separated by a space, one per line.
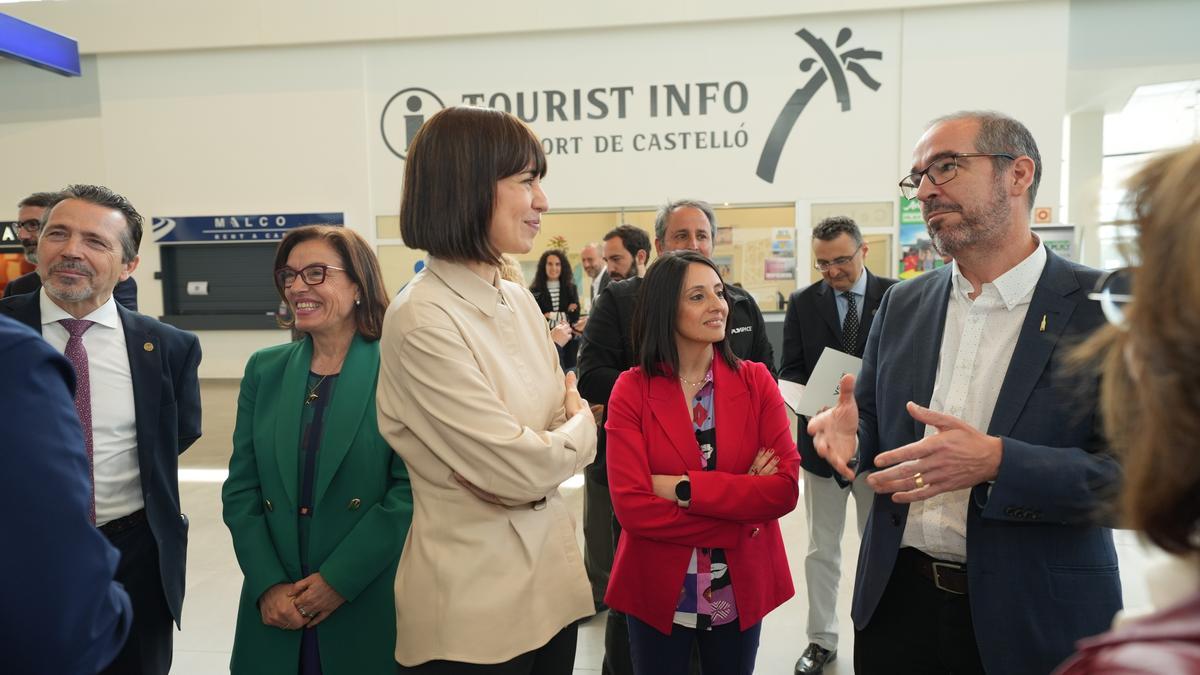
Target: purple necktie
78 357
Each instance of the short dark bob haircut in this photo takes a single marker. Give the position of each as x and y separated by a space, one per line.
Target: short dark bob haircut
565 280
361 266
450 176
655 314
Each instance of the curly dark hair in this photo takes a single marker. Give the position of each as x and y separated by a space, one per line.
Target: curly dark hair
565 280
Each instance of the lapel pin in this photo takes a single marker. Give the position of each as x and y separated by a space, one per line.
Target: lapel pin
1043 328
149 346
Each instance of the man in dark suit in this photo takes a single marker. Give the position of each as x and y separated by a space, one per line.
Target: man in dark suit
29 223
138 401
63 613
607 350
834 313
984 550
623 255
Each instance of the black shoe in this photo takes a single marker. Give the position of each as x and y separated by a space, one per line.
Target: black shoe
813 659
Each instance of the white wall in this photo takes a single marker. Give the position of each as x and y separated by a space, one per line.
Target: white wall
121 26
297 128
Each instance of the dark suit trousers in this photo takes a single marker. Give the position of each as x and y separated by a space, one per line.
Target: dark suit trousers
918 629
148 650
597 530
617 658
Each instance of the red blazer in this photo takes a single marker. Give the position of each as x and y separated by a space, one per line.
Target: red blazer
650 432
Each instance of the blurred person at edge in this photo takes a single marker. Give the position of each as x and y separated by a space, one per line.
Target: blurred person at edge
472 396
701 464
317 503
1150 399
67 614
554 289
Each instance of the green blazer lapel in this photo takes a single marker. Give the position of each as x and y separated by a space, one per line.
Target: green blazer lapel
353 397
287 420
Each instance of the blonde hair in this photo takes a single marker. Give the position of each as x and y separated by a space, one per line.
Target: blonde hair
1150 393
510 270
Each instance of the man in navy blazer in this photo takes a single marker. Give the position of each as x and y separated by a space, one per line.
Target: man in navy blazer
63 613
818 317
140 403
985 551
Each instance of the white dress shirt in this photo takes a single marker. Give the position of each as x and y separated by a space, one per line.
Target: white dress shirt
977 346
114 419
594 287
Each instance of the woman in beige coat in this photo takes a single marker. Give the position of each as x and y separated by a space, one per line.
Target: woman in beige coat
471 395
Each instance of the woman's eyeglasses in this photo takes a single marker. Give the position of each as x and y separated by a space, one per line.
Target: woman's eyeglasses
313 275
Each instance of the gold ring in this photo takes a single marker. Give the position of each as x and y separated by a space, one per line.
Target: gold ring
919 481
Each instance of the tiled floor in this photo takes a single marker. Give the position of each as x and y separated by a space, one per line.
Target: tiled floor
214 580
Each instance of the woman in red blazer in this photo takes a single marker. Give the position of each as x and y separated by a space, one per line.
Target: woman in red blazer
701 463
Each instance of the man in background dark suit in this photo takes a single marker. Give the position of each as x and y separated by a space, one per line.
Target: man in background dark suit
29 223
835 313
138 402
63 613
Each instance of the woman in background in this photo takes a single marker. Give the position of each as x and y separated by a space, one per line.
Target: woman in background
554 289
701 464
316 501
471 395
1150 399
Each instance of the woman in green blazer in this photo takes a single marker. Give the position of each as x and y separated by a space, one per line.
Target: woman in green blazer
317 503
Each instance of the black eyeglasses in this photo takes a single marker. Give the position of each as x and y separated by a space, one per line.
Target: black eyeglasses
32 226
313 275
824 266
1113 291
941 171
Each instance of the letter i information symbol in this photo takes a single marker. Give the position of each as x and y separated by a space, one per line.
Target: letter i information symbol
403 115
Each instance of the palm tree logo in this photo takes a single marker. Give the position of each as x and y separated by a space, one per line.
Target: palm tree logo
833 68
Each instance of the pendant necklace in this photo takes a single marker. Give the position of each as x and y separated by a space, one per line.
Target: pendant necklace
312 393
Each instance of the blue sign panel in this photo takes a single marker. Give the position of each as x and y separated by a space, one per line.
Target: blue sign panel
38 47
237 228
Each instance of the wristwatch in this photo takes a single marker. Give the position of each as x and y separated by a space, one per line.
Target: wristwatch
683 492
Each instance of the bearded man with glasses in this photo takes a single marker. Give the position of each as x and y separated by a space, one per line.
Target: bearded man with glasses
27 230
984 551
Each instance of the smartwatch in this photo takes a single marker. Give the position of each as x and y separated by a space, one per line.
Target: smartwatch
683 492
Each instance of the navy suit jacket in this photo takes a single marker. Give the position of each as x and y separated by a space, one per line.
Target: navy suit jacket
62 611
125 292
810 325
1042 569
163 362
